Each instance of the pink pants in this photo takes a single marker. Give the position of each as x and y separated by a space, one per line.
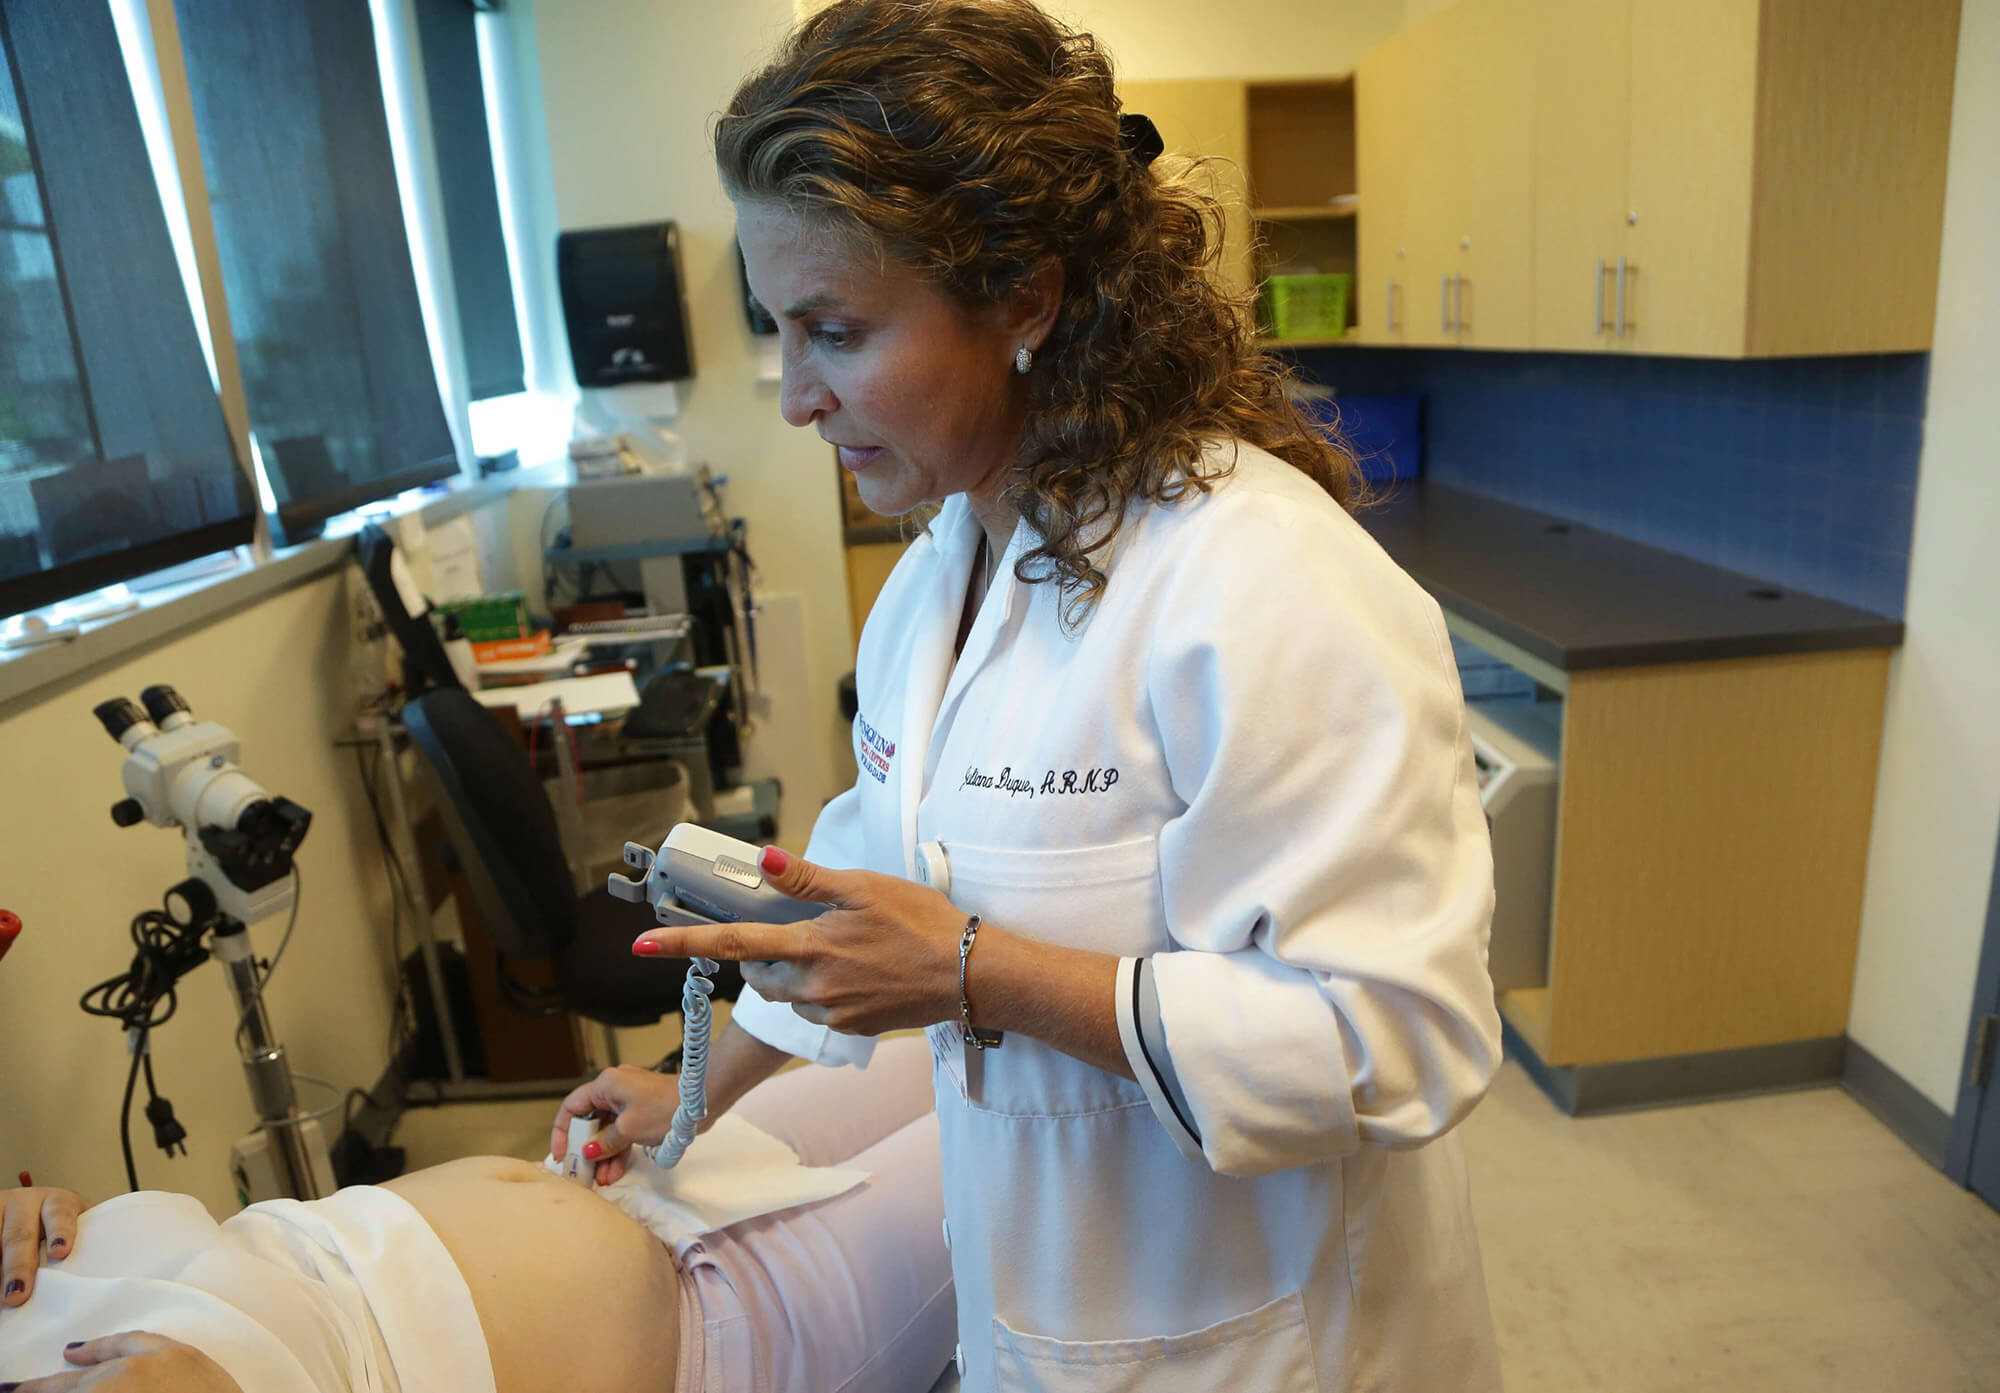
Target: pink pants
850 1295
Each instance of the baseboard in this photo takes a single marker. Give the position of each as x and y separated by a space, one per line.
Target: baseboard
1597 1088
1897 1104
1584 1089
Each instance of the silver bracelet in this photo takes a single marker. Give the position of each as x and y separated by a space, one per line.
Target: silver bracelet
970 1033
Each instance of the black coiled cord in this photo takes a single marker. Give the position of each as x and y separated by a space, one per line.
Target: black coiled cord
143 996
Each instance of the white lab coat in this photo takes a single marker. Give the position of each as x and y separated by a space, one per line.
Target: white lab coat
1251 764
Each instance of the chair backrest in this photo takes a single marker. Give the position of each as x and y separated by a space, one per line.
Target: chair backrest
425 662
501 821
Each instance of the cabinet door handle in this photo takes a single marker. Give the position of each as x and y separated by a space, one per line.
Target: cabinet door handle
1389 306
1626 271
1444 304
1458 304
1597 321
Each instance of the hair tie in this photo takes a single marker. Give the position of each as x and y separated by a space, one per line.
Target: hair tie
1140 138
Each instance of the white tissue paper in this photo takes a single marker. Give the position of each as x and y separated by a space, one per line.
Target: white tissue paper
732 1172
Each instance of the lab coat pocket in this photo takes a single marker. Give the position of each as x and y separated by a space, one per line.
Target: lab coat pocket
1267 1350
1104 898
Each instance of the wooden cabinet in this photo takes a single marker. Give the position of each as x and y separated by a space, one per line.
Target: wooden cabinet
1384 155
1303 212
1489 65
1720 178
1757 178
1449 121
1643 171
1582 111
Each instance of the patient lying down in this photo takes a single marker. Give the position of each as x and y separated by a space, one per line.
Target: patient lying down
496 1276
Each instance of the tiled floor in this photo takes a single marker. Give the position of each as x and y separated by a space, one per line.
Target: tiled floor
1764 1245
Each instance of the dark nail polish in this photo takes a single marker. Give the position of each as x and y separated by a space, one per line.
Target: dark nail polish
8 1387
74 1344
16 1285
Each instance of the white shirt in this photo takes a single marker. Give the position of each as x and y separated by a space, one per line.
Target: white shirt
1249 767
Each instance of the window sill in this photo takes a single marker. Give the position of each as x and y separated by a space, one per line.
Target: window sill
162 614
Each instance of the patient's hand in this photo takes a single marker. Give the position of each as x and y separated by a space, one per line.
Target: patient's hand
137 1362
30 1222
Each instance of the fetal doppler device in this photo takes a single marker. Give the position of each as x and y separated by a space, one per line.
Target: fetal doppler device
180 772
698 876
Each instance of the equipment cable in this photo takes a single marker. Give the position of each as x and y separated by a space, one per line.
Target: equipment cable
696 1019
141 998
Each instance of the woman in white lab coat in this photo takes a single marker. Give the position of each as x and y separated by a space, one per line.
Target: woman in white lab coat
1206 981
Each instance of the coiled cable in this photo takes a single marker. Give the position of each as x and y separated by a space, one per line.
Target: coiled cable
696 1016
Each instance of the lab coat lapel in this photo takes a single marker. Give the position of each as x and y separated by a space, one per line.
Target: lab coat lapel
994 611
934 625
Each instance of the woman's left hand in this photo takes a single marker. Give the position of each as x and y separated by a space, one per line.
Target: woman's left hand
883 957
136 1362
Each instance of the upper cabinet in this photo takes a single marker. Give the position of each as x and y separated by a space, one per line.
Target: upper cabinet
1468 217
1719 178
1383 156
1279 156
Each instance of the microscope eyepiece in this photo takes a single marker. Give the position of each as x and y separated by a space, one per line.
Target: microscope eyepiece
119 715
163 703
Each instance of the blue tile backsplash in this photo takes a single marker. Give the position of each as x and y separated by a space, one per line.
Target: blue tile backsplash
1801 471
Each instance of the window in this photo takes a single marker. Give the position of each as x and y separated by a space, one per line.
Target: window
288 109
465 162
114 458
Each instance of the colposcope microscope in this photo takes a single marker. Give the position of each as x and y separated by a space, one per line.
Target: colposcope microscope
241 841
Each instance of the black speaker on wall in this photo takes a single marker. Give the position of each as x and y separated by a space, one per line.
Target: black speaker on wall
623 304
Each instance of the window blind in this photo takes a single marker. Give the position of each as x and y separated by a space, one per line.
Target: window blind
114 456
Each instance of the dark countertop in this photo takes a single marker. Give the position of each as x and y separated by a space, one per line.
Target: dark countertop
1579 598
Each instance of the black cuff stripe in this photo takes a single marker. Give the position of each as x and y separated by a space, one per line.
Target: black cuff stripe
1139 1031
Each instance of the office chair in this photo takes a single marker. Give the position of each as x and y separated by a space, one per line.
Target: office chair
425 663
505 833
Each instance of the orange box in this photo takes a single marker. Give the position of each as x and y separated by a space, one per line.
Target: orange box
500 650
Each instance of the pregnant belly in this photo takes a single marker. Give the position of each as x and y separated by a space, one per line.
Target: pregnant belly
571 1292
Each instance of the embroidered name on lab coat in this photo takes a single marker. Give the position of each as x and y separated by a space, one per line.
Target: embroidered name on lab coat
1054 782
876 752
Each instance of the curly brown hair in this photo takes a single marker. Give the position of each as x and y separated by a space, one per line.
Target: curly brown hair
973 140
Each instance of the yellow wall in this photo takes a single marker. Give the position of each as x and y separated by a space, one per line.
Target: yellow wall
1151 39
274 672
1167 39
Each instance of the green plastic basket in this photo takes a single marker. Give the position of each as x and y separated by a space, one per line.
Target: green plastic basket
485 618
1308 307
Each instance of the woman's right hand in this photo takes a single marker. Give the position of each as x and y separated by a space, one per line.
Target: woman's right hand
641 1105
29 1220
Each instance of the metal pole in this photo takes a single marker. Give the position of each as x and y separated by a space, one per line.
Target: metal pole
264 1060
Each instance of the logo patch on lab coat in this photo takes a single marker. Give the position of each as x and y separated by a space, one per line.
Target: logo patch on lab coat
876 751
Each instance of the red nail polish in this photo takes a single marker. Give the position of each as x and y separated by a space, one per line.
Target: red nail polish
592 1151
646 948
774 861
